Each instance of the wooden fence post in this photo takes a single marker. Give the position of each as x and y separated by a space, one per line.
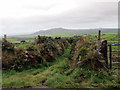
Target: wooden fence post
110 55
99 33
99 43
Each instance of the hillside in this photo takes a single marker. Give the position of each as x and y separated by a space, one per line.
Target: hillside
57 63
63 31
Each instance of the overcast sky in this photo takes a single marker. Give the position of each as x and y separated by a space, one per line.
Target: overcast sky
28 16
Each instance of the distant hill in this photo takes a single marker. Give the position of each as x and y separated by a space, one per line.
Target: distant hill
63 31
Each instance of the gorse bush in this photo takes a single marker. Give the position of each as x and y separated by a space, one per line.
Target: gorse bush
85 55
45 50
59 73
7 46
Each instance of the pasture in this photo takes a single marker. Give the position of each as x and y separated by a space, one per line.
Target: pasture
60 73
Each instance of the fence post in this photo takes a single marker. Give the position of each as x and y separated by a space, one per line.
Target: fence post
5 36
99 33
103 50
99 43
110 55
35 41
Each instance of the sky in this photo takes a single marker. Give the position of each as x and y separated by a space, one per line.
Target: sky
29 16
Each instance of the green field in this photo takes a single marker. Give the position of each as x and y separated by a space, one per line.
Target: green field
112 38
58 74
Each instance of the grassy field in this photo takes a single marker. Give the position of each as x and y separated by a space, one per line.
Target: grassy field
58 74
112 38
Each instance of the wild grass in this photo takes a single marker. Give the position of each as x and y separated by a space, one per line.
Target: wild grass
59 74
12 78
23 45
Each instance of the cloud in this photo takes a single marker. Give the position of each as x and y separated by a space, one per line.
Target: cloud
30 16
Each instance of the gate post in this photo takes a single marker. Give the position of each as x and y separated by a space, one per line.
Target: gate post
110 56
103 50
